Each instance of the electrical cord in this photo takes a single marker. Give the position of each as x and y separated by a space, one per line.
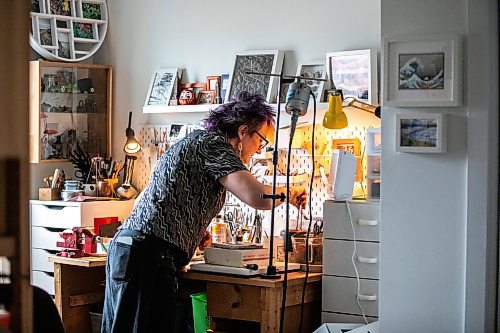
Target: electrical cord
287 223
354 264
310 216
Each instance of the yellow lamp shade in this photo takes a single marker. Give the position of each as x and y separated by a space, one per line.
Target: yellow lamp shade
334 117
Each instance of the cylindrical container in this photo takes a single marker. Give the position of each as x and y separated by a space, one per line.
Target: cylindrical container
103 188
315 251
90 190
219 231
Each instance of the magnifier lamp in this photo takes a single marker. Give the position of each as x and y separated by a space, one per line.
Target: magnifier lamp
335 117
132 149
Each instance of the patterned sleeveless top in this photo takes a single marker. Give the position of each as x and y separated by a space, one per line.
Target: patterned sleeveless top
184 194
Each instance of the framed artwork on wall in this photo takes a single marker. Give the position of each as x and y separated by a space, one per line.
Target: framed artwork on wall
267 61
314 70
355 72
162 86
423 70
421 133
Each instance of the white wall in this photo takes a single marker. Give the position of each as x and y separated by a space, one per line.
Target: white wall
436 212
203 38
435 208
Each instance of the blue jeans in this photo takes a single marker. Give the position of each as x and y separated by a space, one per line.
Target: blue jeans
140 293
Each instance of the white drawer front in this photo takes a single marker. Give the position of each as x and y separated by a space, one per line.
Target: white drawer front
365 219
120 209
45 238
40 261
337 258
43 280
67 215
332 317
56 216
339 295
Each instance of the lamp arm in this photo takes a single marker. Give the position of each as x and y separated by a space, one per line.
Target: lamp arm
361 105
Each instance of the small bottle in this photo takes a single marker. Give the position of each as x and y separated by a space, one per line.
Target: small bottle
219 230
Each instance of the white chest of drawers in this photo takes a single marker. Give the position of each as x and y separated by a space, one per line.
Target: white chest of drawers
49 218
351 248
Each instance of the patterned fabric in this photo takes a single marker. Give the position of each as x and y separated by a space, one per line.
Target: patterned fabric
184 193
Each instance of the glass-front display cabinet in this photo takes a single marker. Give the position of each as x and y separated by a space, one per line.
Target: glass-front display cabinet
70 110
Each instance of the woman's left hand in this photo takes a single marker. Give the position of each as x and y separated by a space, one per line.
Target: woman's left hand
206 240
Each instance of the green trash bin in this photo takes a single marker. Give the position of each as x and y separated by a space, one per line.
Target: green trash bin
200 318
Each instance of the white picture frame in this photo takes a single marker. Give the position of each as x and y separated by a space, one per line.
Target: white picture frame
161 87
313 69
421 132
355 72
423 71
264 61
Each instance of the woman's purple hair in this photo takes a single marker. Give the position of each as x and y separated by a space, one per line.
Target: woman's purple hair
243 109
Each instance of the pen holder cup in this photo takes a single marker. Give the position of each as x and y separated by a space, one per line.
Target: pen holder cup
106 187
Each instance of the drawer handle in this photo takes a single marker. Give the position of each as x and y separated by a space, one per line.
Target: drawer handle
52 229
367 222
362 297
367 260
53 207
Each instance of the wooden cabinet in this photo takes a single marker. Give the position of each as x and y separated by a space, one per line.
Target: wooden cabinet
350 261
49 218
70 108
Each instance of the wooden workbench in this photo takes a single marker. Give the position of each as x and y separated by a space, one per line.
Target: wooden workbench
259 300
234 301
79 285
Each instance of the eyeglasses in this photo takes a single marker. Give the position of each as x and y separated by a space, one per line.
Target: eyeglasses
263 139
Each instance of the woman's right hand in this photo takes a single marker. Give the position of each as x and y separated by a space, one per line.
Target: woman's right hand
298 196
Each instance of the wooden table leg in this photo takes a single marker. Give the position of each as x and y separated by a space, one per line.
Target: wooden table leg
271 303
75 296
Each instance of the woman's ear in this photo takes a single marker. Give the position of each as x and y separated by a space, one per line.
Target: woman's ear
242 130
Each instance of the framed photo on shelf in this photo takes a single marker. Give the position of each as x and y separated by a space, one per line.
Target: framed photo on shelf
423 70
212 82
421 133
205 97
313 70
267 61
355 72
162 86
224 85
176 132
283 92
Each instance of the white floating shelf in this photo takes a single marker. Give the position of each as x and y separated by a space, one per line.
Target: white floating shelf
198 108
355 117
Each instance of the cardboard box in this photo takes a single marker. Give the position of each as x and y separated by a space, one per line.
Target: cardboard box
49 194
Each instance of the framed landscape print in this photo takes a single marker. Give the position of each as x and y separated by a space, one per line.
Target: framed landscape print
423 70
313 70
421 133
355 72
264 62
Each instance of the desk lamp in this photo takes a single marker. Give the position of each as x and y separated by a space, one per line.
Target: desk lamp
335 117
132 149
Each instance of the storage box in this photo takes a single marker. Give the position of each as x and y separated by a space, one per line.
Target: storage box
49 194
